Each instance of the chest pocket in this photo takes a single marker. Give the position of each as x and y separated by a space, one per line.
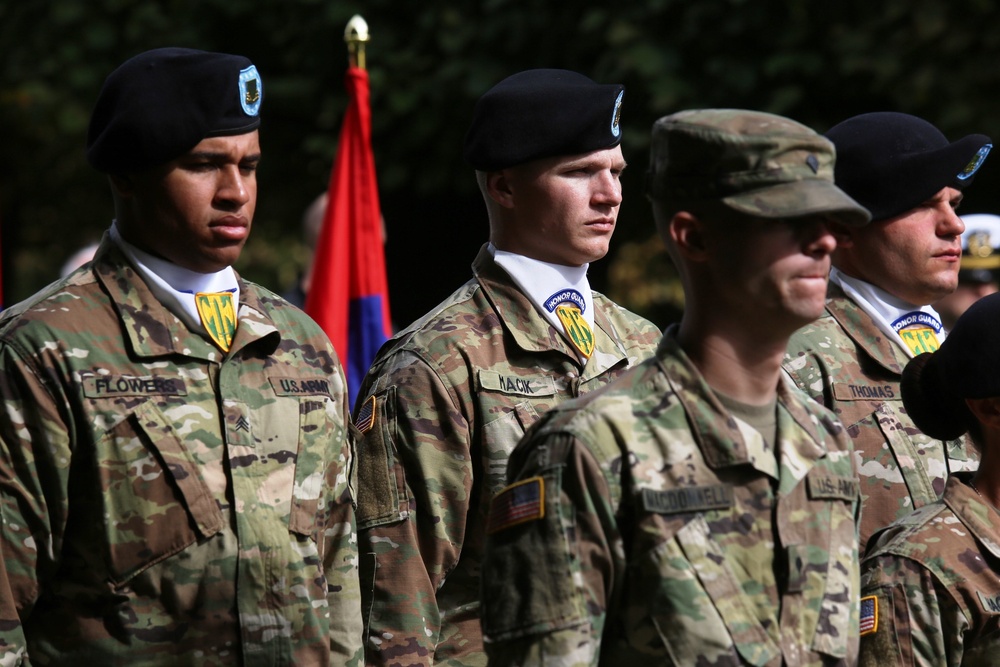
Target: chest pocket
321 467
499 438
154 499
510 405
697 606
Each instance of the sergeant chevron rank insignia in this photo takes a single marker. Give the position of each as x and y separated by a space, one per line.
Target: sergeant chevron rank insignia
218 316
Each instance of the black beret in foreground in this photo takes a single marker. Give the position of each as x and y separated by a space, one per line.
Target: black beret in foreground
936 384
159 104
892 162
542 113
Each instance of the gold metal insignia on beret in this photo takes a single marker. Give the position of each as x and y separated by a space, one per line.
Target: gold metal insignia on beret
251 90
252 94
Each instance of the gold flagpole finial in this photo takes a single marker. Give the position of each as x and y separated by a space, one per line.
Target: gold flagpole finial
356 35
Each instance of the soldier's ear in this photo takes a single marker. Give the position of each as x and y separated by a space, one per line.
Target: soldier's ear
986 411
498 187
688 234
121 184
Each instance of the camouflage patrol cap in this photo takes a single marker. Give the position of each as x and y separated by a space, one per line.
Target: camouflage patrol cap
935 384
755 163
542 113
159 104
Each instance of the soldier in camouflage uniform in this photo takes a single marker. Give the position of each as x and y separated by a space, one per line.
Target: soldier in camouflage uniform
447 399
931 580
878 315
700 510
174 458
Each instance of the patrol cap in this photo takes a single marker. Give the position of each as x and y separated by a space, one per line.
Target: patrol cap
892 162
980 248
935 384
755 163
542 113
159 104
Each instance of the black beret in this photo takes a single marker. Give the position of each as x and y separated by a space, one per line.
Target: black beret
161 103
935 384
542 113
892 162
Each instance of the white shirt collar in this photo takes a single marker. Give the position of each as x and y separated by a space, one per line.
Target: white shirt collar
885 309
176 286
547 284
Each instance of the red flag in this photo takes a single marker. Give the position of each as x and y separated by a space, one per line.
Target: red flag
348 294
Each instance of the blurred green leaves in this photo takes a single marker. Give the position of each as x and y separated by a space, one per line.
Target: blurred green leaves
817 62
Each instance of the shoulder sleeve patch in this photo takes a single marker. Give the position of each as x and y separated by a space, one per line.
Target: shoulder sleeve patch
519 503
382 495
869 615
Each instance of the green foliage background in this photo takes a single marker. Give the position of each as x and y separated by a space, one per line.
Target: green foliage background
817 62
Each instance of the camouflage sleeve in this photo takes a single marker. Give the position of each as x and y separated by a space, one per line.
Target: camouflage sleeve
553 557
34 472
907 616
414 484
341 558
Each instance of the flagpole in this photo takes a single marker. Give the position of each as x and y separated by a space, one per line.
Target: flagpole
349 295
356 35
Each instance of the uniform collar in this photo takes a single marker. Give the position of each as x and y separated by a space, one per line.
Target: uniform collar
539 281
883 308
859 327
152 330
174 286
982 520
800 441
531 331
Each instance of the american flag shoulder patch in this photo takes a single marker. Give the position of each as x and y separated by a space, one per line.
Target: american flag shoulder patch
519 503
869 615
366 415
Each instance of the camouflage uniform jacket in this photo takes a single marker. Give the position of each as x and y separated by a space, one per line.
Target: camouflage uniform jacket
163 503
935 578
441 409
845 362
644 525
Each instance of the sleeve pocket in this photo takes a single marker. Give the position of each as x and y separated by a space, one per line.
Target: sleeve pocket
380 477
321 441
